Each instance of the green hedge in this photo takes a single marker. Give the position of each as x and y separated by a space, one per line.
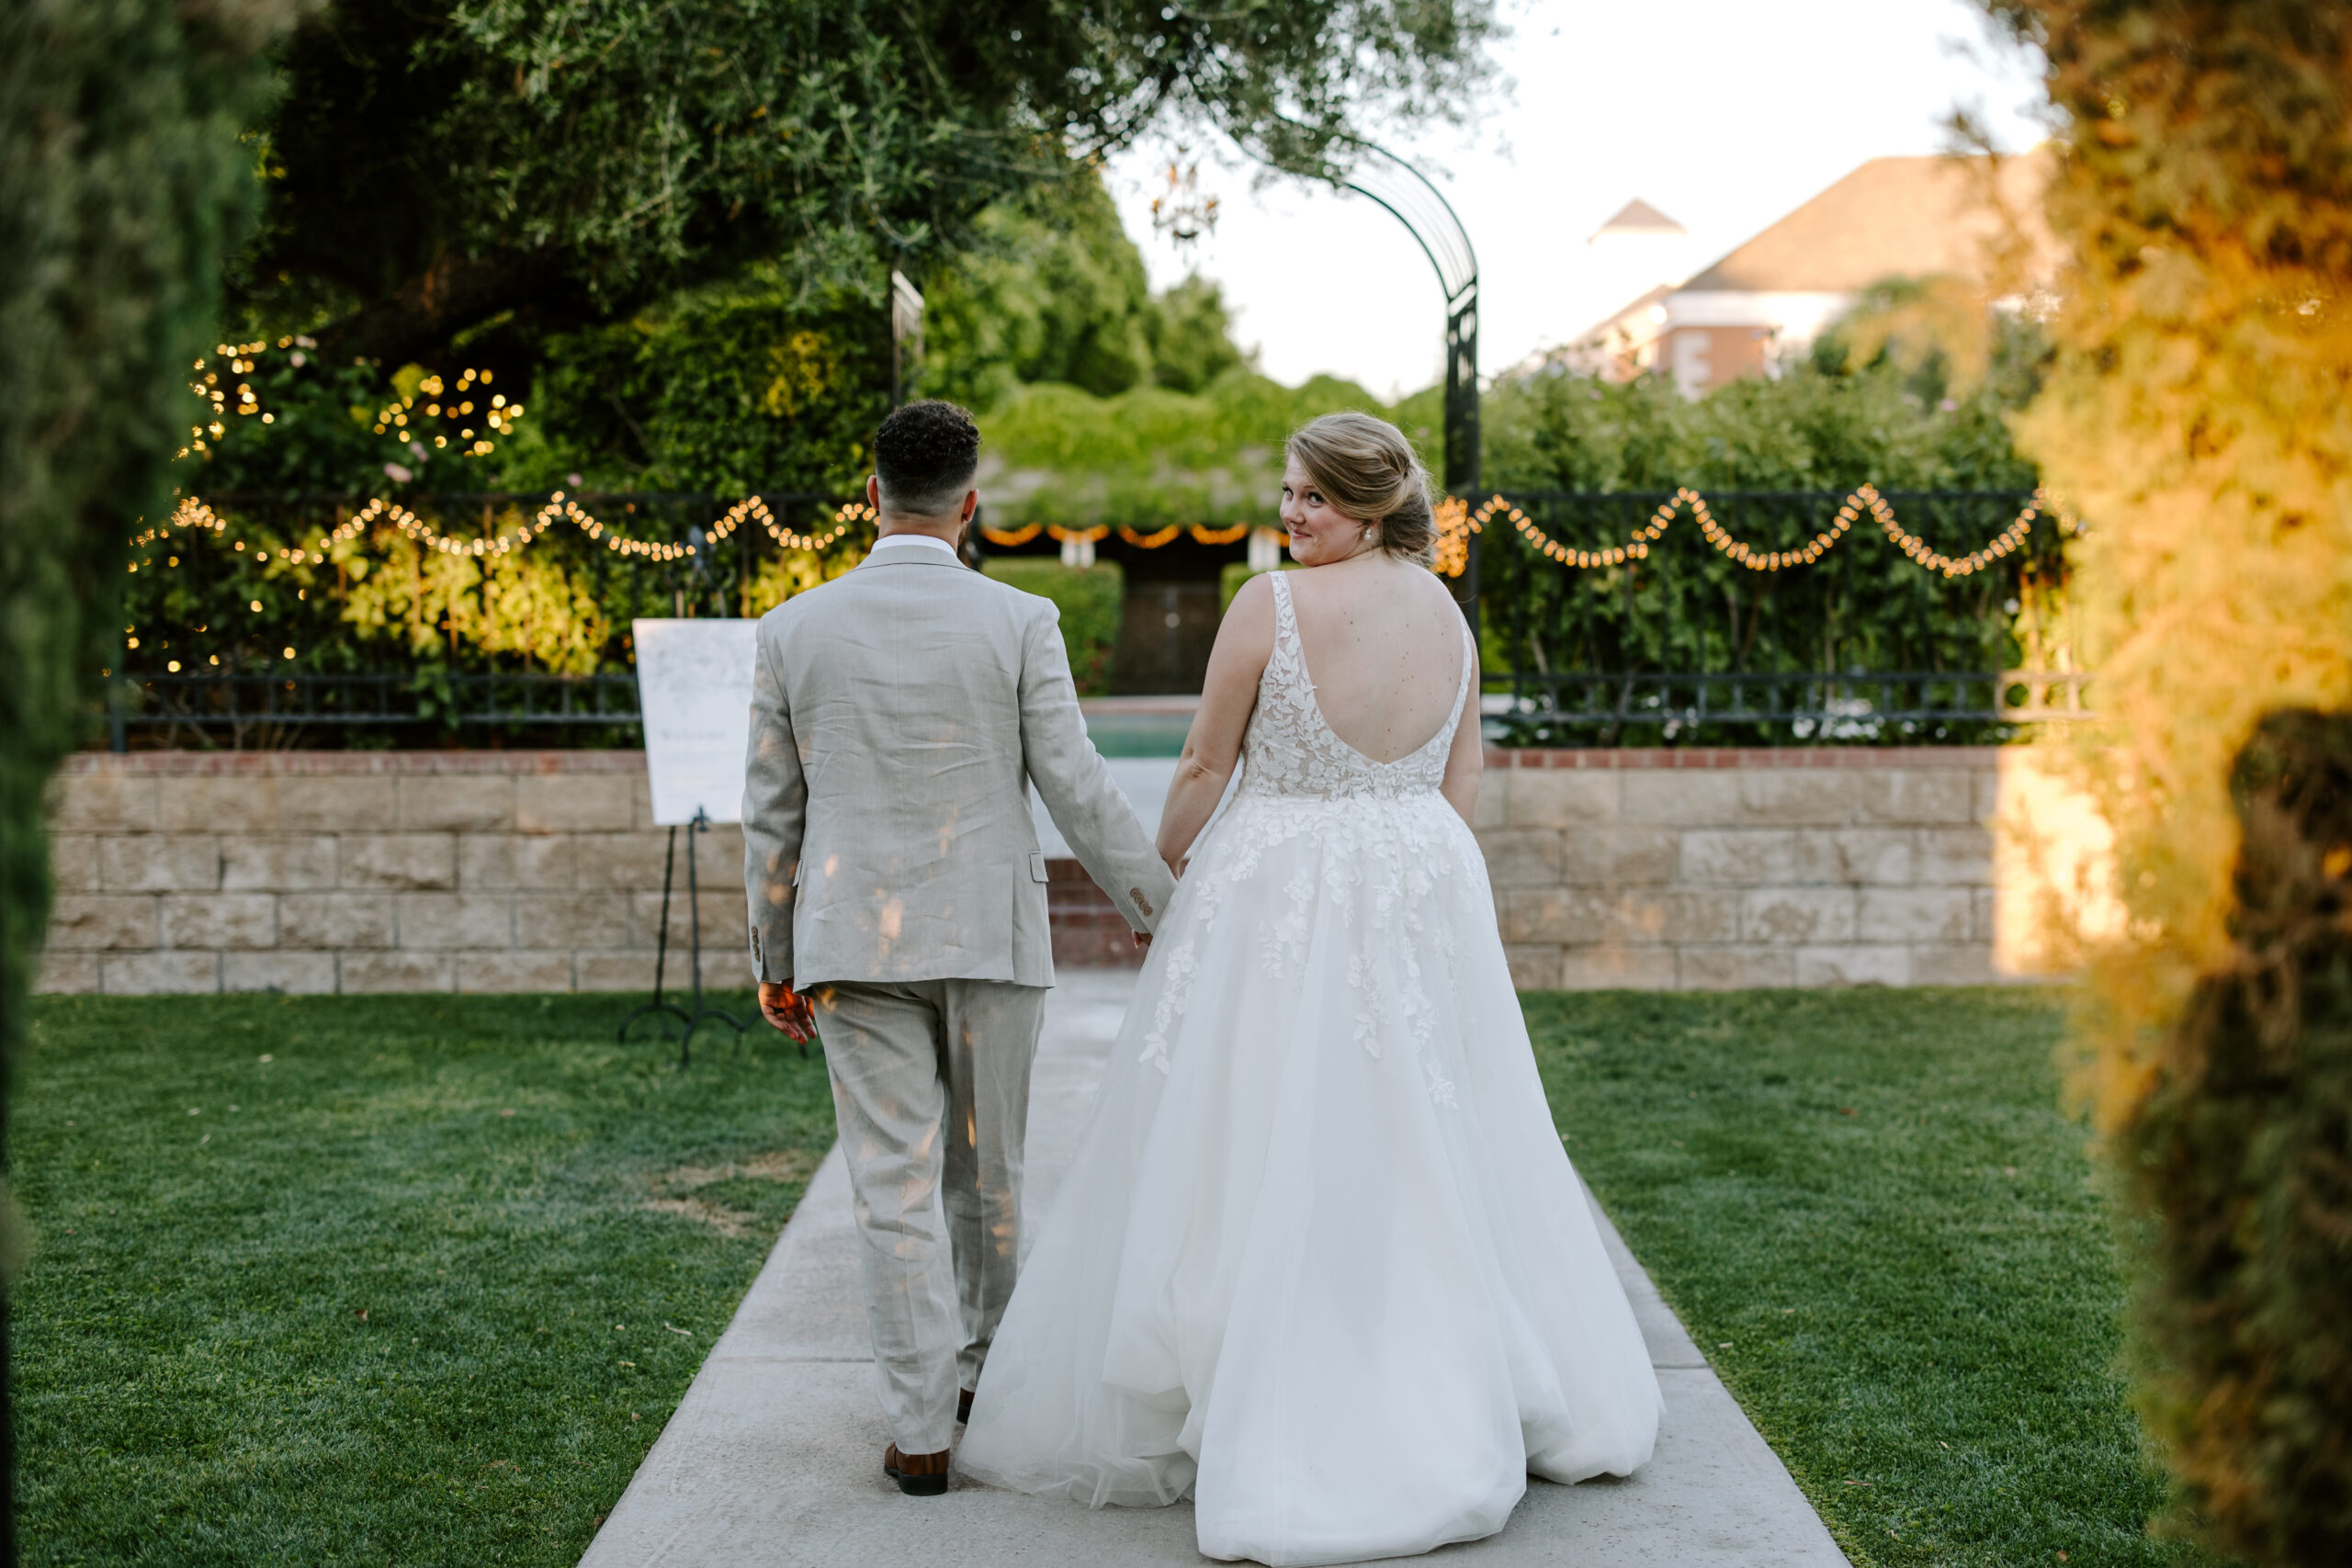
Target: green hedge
1151 456
2235 1161
1774 457
127 181
1091 600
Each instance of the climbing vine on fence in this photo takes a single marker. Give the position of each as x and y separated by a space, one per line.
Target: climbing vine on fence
1766 582
254 584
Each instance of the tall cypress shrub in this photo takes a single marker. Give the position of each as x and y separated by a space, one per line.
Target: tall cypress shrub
123 184
2241 1155
2199 416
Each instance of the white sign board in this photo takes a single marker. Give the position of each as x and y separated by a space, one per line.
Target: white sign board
694 686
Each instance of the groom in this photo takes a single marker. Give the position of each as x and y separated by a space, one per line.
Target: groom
898 900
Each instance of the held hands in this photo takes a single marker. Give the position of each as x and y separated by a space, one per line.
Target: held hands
787 1009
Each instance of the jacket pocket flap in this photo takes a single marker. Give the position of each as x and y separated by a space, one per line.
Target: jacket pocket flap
1038 867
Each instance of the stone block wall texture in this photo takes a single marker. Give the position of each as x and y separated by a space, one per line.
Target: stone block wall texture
354 871
1691 870
541 870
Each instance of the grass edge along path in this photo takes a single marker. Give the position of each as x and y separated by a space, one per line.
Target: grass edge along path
418 1279
1872 1215
381 1280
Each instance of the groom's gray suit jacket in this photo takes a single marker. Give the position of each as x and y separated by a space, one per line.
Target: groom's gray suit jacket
895 712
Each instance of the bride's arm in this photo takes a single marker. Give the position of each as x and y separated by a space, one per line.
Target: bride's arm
1244 642
1467 760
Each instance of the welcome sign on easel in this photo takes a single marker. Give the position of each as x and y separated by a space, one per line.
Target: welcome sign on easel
694 688
693 697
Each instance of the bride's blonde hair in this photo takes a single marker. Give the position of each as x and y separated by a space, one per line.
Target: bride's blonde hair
1367 469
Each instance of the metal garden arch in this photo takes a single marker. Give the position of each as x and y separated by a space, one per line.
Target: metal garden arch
1408 196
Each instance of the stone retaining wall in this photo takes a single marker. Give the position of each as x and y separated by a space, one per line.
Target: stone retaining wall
488 871
481 870
1685 870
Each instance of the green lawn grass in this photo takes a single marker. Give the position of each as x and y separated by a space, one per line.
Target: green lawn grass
374 1280
1872 1215
338 1307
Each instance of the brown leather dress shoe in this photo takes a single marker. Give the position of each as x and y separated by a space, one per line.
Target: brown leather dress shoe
918 1475
963 1405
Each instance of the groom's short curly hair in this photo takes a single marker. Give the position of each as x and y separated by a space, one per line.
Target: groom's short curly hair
925 455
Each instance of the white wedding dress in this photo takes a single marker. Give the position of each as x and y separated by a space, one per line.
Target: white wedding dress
1319 1261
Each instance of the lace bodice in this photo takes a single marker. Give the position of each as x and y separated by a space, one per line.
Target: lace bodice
1290 750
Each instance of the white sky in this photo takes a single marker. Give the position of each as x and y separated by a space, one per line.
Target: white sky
1722 114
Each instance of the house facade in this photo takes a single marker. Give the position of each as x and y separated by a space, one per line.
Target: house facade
1763 304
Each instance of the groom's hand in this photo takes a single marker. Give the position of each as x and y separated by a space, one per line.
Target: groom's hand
1143 939
787 1009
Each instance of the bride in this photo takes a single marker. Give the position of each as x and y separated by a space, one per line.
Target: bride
1319 1261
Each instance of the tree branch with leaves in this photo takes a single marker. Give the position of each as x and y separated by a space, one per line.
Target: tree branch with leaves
441 169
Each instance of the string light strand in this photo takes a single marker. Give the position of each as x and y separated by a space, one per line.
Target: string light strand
1455 527
193 513
754 510
1867 499
1200 533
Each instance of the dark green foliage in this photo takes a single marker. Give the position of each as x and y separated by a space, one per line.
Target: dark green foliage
1817 428
1153 456
696 394
563 604
718 393
449 166
731 389
350 1309
1819 425
1879 1229
121 188
1192 336
1090 601
321 435
2239 1159
1052 290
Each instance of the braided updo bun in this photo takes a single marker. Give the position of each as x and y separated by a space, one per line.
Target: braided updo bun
1367 469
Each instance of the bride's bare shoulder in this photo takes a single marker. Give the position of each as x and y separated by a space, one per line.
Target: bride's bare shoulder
1410 587
1248 621
1428 588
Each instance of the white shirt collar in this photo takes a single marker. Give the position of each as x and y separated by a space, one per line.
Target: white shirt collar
926 540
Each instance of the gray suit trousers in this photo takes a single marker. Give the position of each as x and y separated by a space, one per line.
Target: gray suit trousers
931 1090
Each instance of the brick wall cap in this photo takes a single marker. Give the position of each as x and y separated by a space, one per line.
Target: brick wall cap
347 764
289 764
1636 758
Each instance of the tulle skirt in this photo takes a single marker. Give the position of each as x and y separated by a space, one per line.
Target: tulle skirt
1319 1260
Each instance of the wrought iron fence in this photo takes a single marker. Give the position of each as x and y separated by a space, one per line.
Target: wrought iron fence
1740 580
283 712
1855 708
279 712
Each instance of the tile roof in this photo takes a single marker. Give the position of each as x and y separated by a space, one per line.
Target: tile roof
1891 218
1638 217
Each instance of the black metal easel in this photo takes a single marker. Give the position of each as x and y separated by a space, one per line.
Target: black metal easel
689 1022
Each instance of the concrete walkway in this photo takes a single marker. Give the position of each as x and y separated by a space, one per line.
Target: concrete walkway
774 1456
